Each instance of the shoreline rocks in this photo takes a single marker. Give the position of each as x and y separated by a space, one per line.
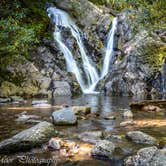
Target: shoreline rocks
29 138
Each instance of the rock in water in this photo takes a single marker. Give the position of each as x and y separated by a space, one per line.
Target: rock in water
81 110
150 156
5 100
140 137
127 114
55 143
64 116
28 138
91 136
103 148
37 102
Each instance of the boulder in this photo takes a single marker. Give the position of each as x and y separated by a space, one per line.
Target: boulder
103 148
29 138
65 116
61 88
150 156
91 136
140 138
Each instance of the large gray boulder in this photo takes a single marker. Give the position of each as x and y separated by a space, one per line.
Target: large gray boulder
65 116
29 138
140 137
150 156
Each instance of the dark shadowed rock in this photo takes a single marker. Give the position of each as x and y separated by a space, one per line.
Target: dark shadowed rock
29 138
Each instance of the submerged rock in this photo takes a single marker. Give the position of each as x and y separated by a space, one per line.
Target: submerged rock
140 137
103 148
29 138
27 118
91 136
65 116
150 156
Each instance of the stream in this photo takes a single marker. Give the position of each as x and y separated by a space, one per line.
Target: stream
102 107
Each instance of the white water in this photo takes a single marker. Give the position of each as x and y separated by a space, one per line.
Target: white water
61 19
108 60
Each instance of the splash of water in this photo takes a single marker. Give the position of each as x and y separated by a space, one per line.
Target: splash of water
61 19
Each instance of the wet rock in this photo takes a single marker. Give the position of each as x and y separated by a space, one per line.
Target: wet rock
127 114
81 110
55 143
25 118
91 136
29 138
110 118
140 137
65 116
103 148
150 156
5 100
37 102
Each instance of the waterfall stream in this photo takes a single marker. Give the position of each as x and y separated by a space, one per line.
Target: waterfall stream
61 19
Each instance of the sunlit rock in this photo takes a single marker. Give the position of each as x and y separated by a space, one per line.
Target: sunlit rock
29 138
103 148
147 156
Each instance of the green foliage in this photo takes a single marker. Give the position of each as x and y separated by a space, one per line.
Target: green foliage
22 24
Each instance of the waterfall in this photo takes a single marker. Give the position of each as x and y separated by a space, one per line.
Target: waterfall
109 56
61 19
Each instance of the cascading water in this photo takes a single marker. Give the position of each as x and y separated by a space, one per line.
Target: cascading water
109 49
61 19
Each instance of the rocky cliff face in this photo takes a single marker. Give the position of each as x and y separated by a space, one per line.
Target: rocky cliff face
138 69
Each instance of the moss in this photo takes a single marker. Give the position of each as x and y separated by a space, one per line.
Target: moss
8 89
153 54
